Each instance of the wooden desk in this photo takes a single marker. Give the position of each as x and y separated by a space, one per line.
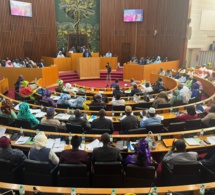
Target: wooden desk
99 191
4 85
140 72
88 68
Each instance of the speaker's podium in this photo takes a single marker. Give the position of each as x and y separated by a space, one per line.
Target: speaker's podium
88 68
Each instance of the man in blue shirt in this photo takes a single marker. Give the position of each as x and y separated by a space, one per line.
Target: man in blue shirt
150 119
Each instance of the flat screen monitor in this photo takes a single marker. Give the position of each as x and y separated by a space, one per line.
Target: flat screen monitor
19 8
133 15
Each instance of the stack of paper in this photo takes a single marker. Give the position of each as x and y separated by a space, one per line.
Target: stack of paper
62 116
35 111
94 144
55 97
211 139
193 141
58 145
92 118
40 114
22 140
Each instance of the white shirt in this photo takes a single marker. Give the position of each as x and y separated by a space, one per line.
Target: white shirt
120 102
186 94
108 54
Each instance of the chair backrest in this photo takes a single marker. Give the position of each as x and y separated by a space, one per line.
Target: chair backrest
74 128
137 131
212 122
143 105
174 127
107 168
155 128
164 105
4 120
47 127
139 176
63 106
99 131
193 124
97 108
22 123
5 165
72 170
192 100
37 167
44 103
118 108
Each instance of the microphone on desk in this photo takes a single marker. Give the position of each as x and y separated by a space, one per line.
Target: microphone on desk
36 191
8 192
173 193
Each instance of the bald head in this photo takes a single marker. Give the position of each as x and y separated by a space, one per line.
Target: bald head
105 138
102 113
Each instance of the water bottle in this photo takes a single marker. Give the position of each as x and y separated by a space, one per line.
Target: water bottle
21 131
70 138
202 189
159 138
83 138
73 191
155 191
112 113
113 192
35 80
37 131
41 107
21 190
85 97
72 112
68 110
111 138
201 133
128 98
171 109
121 114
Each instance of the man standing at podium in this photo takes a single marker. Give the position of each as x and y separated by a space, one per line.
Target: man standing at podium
87 54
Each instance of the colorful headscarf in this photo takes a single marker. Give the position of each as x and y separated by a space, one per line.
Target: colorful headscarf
24 109
24 83
143 149
6 106
64 96
59 82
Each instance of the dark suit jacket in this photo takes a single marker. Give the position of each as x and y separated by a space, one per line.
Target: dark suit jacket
129 122
79 121
87 54
209 163
102 123
106 154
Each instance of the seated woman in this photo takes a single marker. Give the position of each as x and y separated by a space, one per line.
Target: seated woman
161 72
7 110
176 99
47 97
26 91
64 100
24 113
60 86
147 88
168 73
195 91
190 115
18 83
69 89
160 99
142 156
40 152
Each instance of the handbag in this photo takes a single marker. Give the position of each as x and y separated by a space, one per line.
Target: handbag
151 140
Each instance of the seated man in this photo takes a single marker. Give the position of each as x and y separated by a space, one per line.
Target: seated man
79 120
132 82
107 153
15 156
60 55
87 54
74 155
113 85
185 93
178 154
209 160
108 54
135 90
150 119
130 121
102 122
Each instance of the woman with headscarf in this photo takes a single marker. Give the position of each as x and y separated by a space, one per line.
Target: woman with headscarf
60 86
7 110
24 113
161 99
18 83
142 156
69 89
176 98
47 97
40 152
64 100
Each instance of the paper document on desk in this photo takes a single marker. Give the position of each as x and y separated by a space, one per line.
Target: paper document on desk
35 111
22 140
50 143
58 145
132 144
2 131
55 97
92 117
40 114
75 89
211 139
62 116
193 141
94 144
108 117
17 107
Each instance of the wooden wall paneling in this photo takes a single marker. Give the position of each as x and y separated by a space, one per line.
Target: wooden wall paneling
28 37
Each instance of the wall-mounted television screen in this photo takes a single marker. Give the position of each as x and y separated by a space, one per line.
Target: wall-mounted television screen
18 8
133 15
